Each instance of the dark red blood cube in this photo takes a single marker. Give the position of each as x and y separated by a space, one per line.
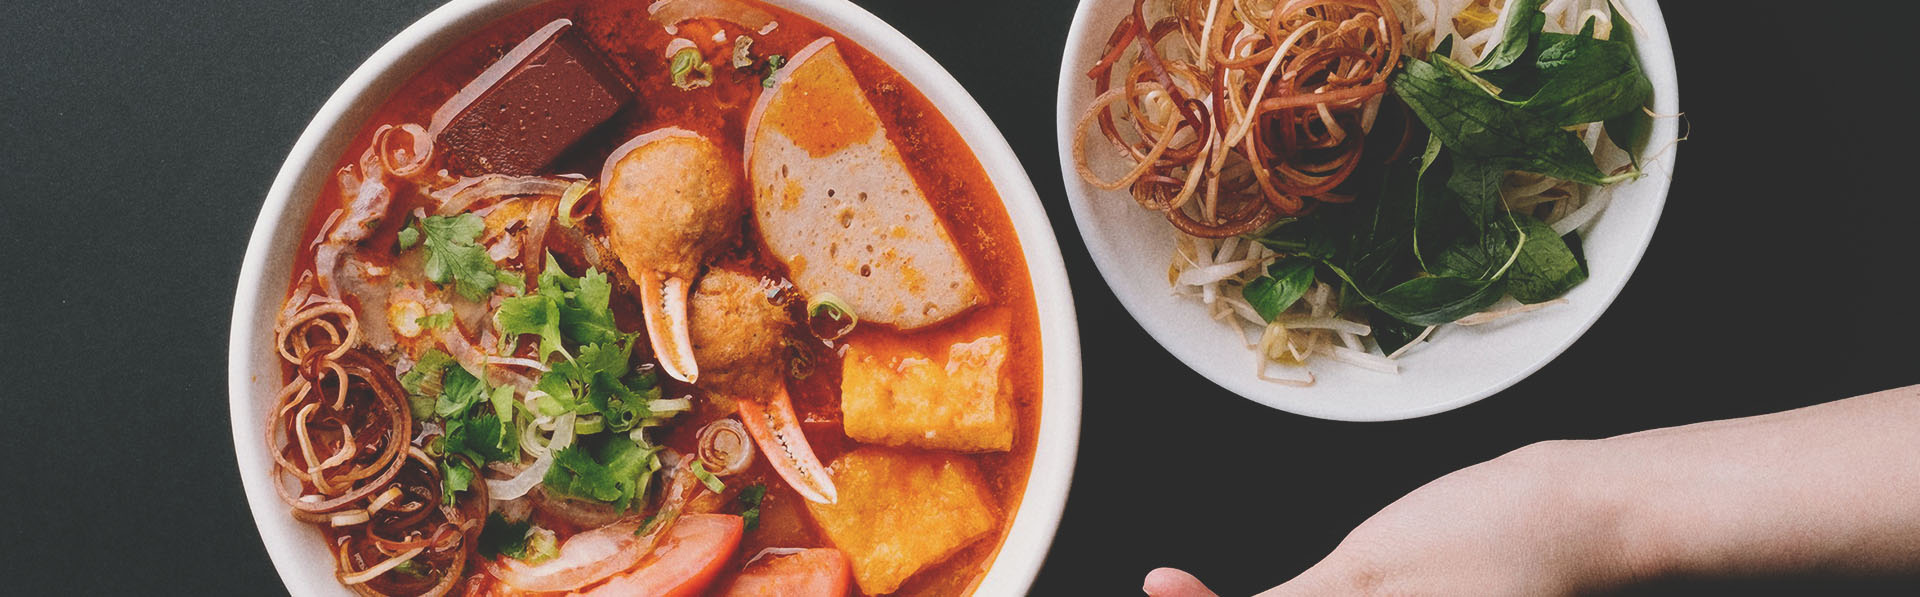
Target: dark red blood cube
531 105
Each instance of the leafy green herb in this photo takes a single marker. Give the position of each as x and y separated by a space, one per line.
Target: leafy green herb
436 321
455 477
409 238
1434 300
1546 267
614 473
1522 29
423 382
536 314
774 64
584 303
453 255
458 390
750 499
1632 129
503 537
1484 127
1286 281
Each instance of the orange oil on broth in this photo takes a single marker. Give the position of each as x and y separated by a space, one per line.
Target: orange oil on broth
940 161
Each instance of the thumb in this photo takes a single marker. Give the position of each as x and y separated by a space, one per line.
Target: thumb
1168 582
1323 578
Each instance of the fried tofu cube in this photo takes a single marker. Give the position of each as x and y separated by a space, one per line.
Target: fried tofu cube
901 511
905 398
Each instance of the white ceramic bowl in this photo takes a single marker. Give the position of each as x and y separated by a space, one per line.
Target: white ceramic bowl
253 372
1132 247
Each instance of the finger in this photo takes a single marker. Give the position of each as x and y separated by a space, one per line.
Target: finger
1168 582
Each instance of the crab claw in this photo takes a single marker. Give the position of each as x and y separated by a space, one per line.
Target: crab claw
777 431
663 302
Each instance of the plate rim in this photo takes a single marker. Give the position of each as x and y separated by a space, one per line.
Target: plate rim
1016 562
1652 33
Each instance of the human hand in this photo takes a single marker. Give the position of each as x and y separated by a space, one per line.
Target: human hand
1521 524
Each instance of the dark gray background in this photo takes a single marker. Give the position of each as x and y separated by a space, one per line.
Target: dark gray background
137 139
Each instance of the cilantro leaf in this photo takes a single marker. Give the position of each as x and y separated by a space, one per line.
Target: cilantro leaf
425 376
436 321
537 315
619 405
503 537
459 390
455 478
615 473
453 255
750 499
409 236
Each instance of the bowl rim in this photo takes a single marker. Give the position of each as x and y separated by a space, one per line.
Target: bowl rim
1655 49
1016 562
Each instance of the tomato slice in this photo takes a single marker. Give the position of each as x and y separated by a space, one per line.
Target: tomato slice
818 572
777 431
688 558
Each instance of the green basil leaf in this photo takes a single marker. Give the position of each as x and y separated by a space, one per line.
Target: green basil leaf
1631 130
1523 27
1473 124
1435 300
1546 267
1284 284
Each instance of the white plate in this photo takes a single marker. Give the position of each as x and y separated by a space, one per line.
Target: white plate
1133 246
253 372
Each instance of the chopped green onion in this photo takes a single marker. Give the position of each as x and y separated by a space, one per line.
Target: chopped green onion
686 64
828 317
713 483
588 425
669 406
774 63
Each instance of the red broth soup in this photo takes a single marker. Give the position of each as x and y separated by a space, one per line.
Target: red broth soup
693 297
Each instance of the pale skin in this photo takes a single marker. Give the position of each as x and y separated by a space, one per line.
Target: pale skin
1828 489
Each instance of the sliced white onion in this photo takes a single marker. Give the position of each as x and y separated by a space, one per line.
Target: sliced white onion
468 191
725 448
519 485
517 362
349 518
